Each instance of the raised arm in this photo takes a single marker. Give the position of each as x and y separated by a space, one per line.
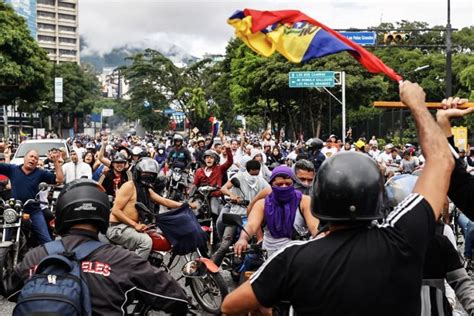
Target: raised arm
58 168
433 182
101 155
462 183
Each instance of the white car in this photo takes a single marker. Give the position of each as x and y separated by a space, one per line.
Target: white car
42 146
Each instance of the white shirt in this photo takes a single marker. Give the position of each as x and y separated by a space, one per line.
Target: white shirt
81 151
74 171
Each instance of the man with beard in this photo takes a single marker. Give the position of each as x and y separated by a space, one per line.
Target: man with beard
128 225
304 173
25 179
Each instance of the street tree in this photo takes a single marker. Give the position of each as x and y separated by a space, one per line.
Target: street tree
24 66
80 93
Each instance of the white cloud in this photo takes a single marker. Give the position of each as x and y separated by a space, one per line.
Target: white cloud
200 26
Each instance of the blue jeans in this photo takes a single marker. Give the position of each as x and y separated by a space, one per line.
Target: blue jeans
467 227
39 226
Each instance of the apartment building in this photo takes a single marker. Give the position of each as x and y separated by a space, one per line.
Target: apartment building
57 29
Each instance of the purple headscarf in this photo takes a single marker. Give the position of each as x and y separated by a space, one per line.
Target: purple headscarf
281 205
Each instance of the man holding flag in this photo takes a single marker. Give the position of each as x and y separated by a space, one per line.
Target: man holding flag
355 267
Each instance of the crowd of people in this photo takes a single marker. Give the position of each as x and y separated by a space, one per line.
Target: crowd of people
362 257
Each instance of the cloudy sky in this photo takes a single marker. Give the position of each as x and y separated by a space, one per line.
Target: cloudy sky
200 27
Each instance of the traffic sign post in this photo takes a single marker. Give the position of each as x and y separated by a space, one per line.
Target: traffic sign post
322 79
361 38
311 79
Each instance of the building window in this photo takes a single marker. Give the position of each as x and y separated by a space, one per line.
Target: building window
43 38
48 27
67 52
50 50
67 40
66 5
44 14
47 2
67 17
67 29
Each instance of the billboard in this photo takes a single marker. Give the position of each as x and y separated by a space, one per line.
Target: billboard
26 9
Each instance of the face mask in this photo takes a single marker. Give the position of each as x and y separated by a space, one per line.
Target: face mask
148 180
160 151
283 194
250 179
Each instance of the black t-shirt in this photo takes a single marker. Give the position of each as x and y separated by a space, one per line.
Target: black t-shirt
359 271
441 258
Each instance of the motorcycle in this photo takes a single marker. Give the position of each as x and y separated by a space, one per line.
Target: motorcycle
178 183
17 234
204 214
201 274
241 267
231 233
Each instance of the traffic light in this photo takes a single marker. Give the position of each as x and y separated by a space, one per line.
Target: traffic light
393 38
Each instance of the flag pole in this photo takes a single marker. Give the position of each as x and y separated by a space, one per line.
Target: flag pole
343 82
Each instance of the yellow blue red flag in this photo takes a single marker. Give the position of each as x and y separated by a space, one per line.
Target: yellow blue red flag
299 38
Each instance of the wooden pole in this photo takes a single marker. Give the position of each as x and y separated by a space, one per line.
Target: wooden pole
398 105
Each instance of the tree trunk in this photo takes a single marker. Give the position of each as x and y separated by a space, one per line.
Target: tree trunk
311 117
292 124
320 112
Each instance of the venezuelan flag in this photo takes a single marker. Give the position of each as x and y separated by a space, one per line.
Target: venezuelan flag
215 126
299 38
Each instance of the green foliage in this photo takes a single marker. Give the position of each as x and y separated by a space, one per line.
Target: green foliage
23 64
80 93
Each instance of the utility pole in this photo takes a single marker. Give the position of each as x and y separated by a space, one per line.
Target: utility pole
449 74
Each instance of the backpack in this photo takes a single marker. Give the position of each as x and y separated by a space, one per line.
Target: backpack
57 288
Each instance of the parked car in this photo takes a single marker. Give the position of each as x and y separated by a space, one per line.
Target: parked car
42 146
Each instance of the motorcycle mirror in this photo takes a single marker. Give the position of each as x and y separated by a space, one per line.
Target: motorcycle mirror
194 269
235 182
232 219
43 186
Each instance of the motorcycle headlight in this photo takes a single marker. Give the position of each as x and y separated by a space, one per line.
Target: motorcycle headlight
176 176
10 216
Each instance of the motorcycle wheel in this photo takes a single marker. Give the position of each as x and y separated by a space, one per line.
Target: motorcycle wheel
6 266
209 291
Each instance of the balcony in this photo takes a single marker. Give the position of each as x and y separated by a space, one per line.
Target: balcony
65 10
51 45
46 7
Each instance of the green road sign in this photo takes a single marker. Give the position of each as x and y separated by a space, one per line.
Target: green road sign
310 79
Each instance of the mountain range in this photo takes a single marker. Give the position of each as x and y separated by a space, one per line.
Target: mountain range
117 56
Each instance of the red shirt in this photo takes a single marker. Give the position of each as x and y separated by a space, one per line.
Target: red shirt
216 176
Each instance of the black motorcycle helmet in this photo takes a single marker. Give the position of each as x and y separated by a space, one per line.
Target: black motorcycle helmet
348 187
212 153
315 143
82 201
178 139
147 165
